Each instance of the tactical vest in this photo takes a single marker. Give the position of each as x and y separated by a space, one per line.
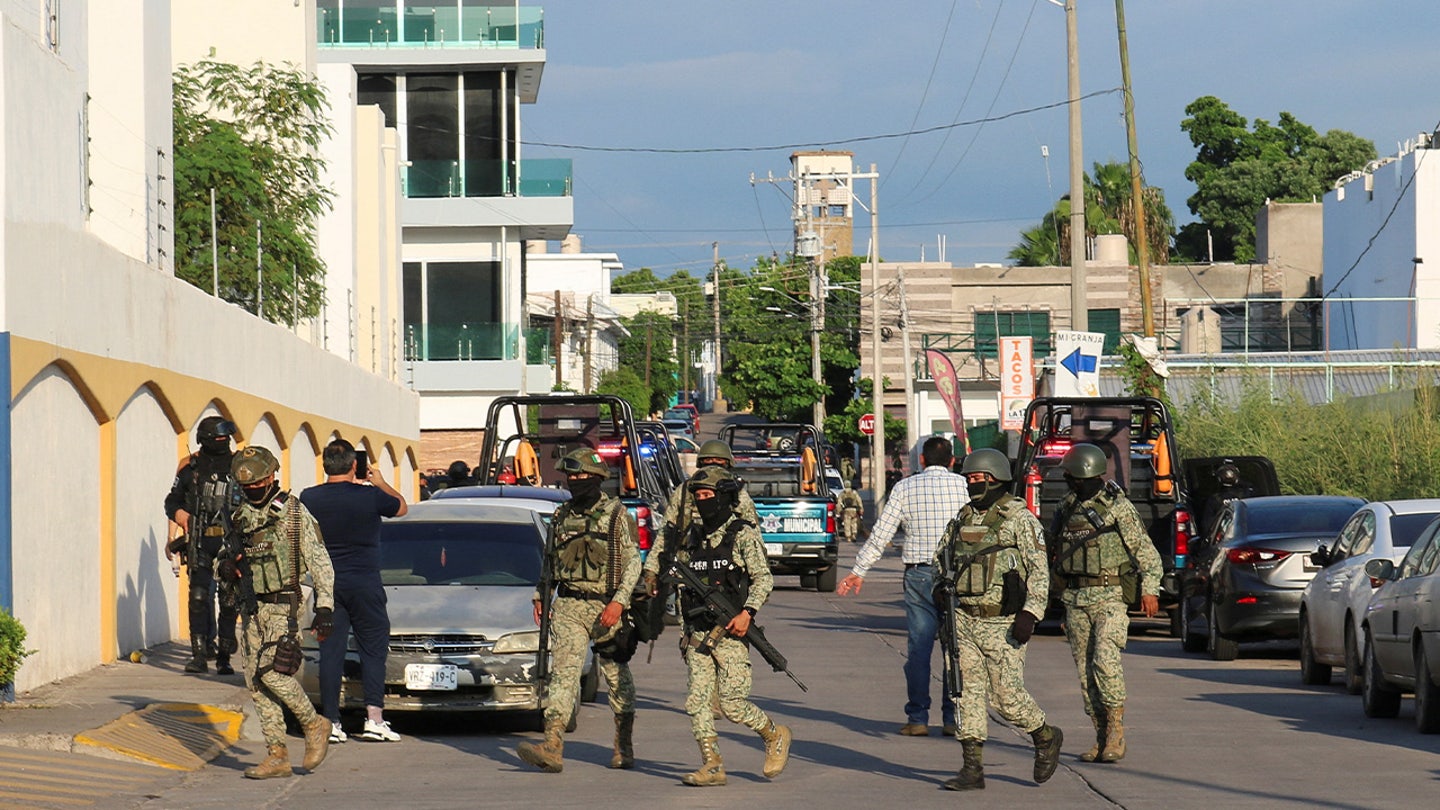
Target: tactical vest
716 567
1095 533
268 546
213 493
974 555
582 553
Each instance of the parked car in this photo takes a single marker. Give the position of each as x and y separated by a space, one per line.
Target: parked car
543 500
458 573
679 426
1333 604
685 445
1243 581
1401 633
690 412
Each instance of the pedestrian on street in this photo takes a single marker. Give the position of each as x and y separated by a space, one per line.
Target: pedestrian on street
726 552
200 502
852 509
348 508
924 505
993 559
282 545
594 558
1099 542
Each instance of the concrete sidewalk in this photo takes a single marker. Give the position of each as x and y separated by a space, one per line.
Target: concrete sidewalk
103 712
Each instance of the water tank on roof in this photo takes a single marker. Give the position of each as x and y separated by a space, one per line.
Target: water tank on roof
1112 249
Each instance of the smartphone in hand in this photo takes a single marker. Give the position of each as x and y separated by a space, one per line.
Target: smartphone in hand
362 465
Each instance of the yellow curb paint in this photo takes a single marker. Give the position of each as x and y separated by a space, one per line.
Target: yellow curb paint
178 736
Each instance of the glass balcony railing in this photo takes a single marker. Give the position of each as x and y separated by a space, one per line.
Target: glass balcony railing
542 177
476 340
434 24
537 347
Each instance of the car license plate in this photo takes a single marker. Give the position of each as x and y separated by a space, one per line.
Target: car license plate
430 677
774 549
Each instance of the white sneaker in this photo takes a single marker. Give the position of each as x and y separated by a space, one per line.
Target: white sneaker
337 734
379 732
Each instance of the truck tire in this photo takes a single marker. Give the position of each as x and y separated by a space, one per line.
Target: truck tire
825 583
809 581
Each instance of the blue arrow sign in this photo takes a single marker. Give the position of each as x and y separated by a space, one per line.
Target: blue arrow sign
1077 363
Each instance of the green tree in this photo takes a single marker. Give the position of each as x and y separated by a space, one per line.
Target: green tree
647 352
626 384
1238 166
844 425
253 135
1108 209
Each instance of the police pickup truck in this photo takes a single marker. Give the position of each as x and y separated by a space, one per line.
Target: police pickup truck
1138 438
527 434
783 470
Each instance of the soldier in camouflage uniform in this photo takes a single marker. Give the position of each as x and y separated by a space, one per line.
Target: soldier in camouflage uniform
595 562
851 510
713 453
724 550
273 525
993 556
1098 540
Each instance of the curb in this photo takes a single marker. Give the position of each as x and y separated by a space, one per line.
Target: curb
179 736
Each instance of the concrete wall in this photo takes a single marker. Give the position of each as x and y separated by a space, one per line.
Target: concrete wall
1290 240
242 31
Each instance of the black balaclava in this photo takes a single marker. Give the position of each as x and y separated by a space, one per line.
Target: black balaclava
985 494
584 491
1085 488
715 511
259 496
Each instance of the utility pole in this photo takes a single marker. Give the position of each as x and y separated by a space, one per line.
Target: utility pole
559 336
589 339
1137 202
1079 315
648 341
259 274
715 247
685 352
877 390
912 425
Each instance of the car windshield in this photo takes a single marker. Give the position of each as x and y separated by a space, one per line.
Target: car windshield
459 553
1405 528
1309 518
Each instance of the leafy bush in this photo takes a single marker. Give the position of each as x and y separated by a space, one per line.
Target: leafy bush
12 646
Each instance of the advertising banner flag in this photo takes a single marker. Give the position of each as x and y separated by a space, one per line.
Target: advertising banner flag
942 371
1017 380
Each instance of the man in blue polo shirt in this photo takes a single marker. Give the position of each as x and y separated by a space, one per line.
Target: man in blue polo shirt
349 509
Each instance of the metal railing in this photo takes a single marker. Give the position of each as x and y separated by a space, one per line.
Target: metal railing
428 24
474 340
539 177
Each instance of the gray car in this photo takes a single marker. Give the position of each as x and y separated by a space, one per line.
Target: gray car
459 575
1402 633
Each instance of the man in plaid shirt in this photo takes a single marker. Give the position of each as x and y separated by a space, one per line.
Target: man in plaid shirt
924 504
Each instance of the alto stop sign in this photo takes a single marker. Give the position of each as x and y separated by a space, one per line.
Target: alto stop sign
867 424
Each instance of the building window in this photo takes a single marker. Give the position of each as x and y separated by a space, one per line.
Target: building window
993 324
433 134
1107 323
453 312
378 90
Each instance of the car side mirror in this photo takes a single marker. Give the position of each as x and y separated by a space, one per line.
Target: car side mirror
1320 556
1380 568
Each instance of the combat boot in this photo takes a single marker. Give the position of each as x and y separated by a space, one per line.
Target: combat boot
777 748
1047 751
548 756
1098 718
276 764
972 773
712 771
1114 735
317 742
624 756
196 665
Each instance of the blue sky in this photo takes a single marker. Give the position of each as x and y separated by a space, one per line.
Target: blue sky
741 84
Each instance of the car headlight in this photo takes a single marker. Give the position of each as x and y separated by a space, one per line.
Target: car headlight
528 641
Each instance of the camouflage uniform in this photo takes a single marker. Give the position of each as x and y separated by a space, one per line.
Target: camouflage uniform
991 660
1097 621
580 561
851 509
745 508
268 555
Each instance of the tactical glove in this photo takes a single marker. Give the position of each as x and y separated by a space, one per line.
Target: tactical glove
229 570
1024 627
177 545
324 623
650 583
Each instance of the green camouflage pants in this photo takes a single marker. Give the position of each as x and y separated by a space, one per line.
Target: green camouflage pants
574 623
1097 633
726 670
272 692
850 524
993 666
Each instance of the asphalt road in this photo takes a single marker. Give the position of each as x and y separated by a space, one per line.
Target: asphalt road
1201 734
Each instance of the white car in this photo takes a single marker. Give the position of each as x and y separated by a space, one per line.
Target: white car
1333 604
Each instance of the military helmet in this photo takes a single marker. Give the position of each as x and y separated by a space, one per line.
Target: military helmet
1228 474
716 478
715 448
214 427
988 460
253 464
1084 461
583 460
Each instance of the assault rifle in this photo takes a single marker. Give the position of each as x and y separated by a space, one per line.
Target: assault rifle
943 592
546 588
219 500
722 610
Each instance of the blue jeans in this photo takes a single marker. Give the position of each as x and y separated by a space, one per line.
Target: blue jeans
923 622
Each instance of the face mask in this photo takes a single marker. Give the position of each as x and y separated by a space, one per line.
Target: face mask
713 512
985 494
584 491
219 446
259 496
1085 488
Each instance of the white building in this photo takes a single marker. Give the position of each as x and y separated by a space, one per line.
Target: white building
1382 241
590 327
110 359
